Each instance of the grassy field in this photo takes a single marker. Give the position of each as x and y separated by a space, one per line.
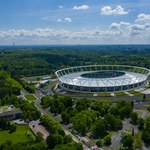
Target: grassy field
148 99
105 94
135 92
120 94
18 136
30 97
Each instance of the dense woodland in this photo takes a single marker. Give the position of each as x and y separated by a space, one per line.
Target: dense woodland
38 60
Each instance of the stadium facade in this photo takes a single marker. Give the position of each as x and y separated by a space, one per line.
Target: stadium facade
102 78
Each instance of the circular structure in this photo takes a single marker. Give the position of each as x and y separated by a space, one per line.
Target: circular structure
102 78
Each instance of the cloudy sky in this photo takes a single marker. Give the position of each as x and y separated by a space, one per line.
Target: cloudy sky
27 22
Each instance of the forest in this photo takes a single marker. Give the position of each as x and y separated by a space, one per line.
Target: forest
46 60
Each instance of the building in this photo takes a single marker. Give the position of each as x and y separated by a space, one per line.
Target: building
102 78
10 113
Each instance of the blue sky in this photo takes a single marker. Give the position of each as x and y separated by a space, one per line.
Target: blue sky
74 22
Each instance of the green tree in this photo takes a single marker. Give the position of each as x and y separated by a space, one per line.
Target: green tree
67 139
134 118
138 143
61 107
144 96
39 137
46 101
82 104
140 123
146 131
65 117
99 128
99 143
114 124
69 146
53 140
12 128
83 120
107 140
127 141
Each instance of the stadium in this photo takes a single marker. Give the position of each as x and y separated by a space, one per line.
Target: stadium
102 78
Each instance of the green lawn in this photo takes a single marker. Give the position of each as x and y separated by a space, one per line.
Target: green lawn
148 99
120 94
135 92
30 97
18 136
105 94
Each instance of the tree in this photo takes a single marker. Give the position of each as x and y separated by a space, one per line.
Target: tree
127 141
134 118
53 140
83 120
140 123
125 109
12 128
114 124
61 107
4 124
67 139
65 117
81 104
144 96
67 101
107 140
99 128
69 146
46 101
99 143
53 109
146 131
138 143
39 137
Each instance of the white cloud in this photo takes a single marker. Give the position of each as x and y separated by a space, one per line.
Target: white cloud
67 19
82 7
121 25
119 10
121 33
59 20
143 17
128 29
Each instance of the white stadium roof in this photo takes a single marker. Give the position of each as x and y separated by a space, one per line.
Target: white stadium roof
126 79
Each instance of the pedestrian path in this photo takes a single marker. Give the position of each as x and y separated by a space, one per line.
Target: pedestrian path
112 94
144 90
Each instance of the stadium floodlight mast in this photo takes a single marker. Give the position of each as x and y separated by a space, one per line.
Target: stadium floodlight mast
102 78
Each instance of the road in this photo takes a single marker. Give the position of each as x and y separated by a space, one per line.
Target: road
116 137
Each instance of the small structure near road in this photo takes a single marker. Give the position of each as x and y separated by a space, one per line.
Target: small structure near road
36 127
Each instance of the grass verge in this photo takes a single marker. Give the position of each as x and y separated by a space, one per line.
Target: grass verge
30 97
135 92
120 94
105 94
